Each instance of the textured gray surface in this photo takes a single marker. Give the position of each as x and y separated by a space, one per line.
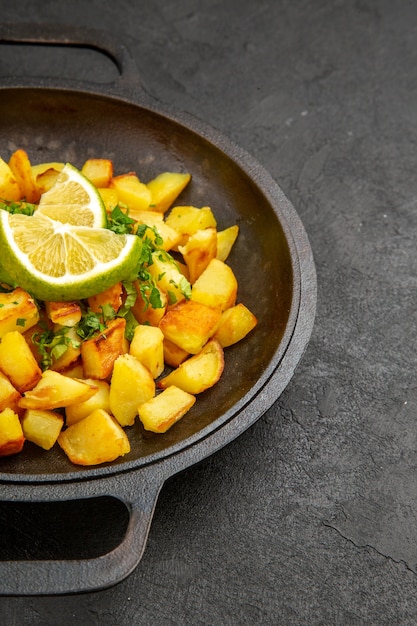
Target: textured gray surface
310 517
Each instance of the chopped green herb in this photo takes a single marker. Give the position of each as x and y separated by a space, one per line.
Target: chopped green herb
89 325
51 345
21 321
25 208
119 221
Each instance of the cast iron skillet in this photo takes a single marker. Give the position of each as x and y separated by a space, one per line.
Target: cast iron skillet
72 120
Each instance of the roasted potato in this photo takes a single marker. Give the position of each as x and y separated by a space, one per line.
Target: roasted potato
12 438
131 385
190 325
96 439
18 311
199 372
17 362
161 412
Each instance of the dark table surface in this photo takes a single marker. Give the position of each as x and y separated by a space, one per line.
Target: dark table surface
310 516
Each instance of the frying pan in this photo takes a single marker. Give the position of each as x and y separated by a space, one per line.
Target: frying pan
62 119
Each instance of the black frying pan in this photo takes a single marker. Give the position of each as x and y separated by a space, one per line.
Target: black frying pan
70 120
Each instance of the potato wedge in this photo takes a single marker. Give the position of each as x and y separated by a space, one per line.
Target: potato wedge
55 390
12 438
216 287
199 250
160 413
100 400
9 187
9 395
165 189
96 439
132 191
111 296
42 427
235 324
170 237
131 385
18 311
187 220
110 197
100 352
41 168
98 171
46 180
147 346
190 325
225 241
64 313
18 363
173 354
22 171
199 372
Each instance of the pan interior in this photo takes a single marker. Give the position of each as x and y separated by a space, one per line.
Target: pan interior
55 125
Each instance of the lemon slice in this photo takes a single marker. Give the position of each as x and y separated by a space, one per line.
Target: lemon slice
73 199
58 262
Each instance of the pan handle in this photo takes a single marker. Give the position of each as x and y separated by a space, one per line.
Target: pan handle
75 36
53 577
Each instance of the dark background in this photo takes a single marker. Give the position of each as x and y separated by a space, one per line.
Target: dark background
310 517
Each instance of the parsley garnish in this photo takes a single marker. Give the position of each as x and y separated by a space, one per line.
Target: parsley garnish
89 325
25 208
119 221
51 345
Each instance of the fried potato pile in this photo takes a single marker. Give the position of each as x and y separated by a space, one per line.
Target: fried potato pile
79 374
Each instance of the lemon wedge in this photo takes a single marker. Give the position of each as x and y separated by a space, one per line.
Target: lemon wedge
73 199
58 262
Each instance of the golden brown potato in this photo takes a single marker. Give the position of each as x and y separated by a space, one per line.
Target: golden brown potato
235 324
9 187
132 191
225 241
159 413
165 188
199 250
18 362
9 395
110 197
100 400
12 438
131 384
18 311
46 180
54 390
22 171
190 325
98 171
216 287
64 313
199 372
187 220
100 352
173 354
42 427
147 346
170 237
111 296
96 439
